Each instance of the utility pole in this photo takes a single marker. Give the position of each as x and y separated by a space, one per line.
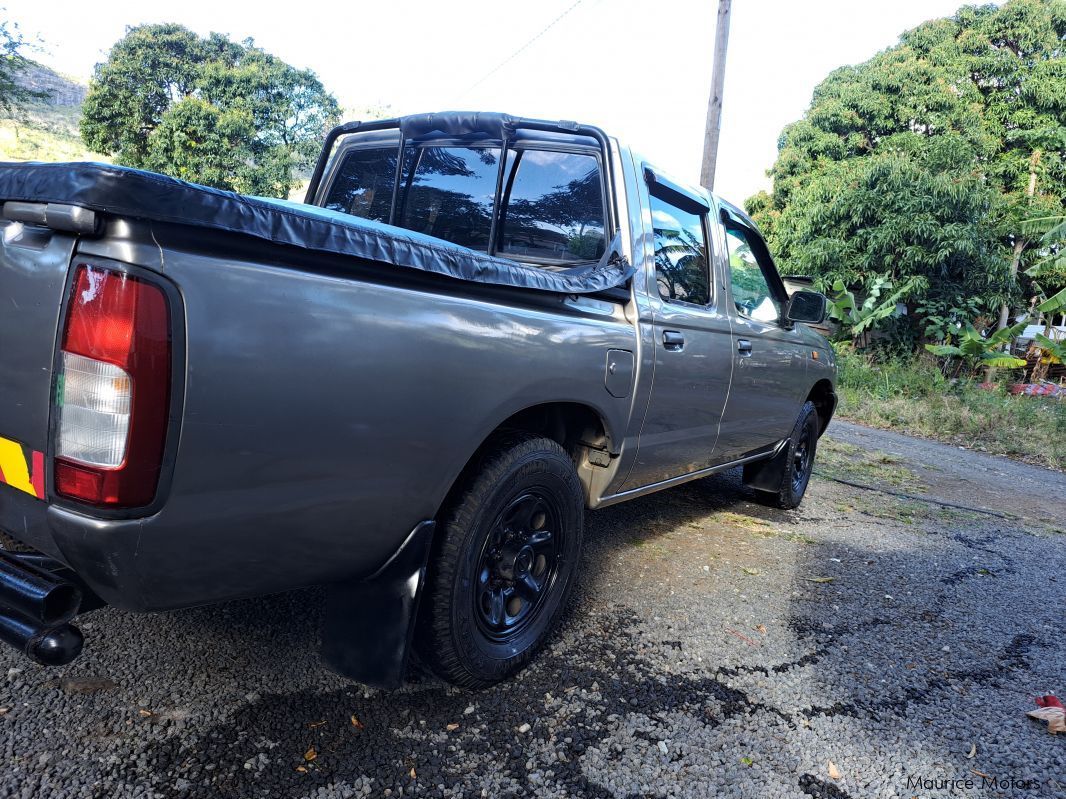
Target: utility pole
714 105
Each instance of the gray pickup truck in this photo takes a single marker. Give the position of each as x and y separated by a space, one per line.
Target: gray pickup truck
408 388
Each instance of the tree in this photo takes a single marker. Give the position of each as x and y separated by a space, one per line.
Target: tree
925 160
210 110
13 62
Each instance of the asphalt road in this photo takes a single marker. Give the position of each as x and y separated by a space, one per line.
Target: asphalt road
858 647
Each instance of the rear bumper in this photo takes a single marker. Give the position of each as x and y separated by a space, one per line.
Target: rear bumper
140 564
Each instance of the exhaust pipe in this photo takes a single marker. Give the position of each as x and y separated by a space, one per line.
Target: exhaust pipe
36 607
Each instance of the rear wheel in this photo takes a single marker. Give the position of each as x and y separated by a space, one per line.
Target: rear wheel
782 481
504 562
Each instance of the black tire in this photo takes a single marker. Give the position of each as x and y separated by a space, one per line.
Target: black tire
782 481
481 619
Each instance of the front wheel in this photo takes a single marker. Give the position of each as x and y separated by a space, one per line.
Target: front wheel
782 480
504 563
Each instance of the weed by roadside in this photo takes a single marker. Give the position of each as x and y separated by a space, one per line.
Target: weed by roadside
912 396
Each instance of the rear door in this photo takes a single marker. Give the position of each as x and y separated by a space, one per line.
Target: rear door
768 365
692 338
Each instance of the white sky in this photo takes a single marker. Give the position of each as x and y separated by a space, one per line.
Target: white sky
641 69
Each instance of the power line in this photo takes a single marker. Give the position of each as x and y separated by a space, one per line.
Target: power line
520 50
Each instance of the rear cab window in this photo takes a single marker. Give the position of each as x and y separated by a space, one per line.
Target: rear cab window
550 209
448 192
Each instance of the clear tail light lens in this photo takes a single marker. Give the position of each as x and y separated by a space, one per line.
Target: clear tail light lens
113 390
94 415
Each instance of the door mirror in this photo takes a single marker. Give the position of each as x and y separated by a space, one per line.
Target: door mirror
806 306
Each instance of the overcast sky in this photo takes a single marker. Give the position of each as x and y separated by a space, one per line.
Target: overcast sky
639 68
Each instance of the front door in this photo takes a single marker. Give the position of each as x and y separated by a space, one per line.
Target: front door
767 362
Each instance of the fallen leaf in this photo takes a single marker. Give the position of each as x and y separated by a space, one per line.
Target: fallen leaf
312 724
414 776
980 774
973 752
357 723
1054 716
761 629
834 772
145 713
452 727
747 570
301 769
747 761
310 754
819 579
4 710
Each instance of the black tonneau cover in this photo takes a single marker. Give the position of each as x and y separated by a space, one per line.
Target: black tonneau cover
146 195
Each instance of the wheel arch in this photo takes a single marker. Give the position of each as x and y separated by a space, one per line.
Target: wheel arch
576 426
825 402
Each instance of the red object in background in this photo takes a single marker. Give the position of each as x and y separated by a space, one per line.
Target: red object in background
1037 390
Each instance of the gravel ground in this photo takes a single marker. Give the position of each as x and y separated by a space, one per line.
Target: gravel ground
716 648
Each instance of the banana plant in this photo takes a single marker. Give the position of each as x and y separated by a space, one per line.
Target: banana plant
979 351
1051 351
856 321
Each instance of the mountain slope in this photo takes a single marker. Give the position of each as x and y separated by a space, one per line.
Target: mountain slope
47 130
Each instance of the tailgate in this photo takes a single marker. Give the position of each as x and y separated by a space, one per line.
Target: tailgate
34 262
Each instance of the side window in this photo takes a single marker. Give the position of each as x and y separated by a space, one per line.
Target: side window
554 207
681 265
363 184
751 291
449 193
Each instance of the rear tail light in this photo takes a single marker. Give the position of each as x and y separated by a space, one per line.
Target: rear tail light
113 390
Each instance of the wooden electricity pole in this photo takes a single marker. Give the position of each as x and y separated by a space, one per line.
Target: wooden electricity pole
714 105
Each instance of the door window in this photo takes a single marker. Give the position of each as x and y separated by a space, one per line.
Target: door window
553 207
751 290
681 264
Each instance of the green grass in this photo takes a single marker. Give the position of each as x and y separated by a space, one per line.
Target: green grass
912 396
19 142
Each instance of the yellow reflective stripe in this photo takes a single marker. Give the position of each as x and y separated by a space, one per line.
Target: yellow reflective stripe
13 466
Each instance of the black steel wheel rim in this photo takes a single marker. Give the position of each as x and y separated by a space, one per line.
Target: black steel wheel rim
518 565
802 457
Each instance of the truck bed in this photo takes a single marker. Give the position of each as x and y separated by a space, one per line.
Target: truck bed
313 391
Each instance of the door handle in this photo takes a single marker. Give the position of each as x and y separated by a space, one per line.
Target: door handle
673 341
743 346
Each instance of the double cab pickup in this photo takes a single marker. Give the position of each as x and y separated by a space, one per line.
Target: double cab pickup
409 388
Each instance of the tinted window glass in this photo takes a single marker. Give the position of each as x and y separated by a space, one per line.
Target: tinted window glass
450 191
363 184
555 207
751 291
680 254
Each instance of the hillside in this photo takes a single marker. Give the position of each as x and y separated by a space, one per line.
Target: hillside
47 130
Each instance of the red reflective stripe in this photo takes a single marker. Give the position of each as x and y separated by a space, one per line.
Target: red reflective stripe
2 480
37 474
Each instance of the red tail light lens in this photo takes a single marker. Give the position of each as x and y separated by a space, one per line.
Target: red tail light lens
113 391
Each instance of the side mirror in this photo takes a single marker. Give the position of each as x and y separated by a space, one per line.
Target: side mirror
806 306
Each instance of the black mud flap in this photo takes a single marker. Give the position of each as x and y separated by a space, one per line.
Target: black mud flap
369 623
765 475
